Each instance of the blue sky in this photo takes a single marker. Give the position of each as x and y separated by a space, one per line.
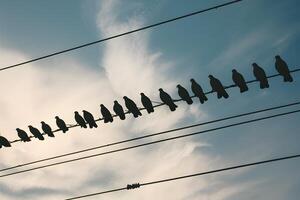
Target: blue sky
211 43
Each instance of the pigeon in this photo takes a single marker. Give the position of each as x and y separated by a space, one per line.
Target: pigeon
35 132
61 124
166 98
184 94
47 129
79 119
89 118
106 114
239 80
4 142
198 91
147 103
283 69
131 106
260 75
217 87
23 135
119 110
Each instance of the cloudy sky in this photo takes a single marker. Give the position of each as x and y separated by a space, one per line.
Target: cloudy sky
212 43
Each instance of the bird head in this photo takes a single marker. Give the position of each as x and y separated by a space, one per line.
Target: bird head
42 122
192 80
115 101
84 111
125 97
160 89
76 112
30 126
56 117
254 64
210 76
234 71
142 94
277 57
178 86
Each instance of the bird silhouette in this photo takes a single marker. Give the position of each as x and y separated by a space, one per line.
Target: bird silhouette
184 94
4 142
166 98
147 103
198 91
283 69
239 80
106 114
118 109
79 119
217 87
23 135
47 129
61 124
131 106
260 75
35 132
89 118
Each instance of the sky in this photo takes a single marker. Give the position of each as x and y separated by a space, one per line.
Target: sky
211 43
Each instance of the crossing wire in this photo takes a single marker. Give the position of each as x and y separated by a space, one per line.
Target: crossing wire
153 134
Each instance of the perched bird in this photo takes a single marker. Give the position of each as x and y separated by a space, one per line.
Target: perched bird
239 80
89 118
198 91
4 142
166 98
184 94
47 129
260 75
23 135
61 124
35 132
283 69
217 87
79 119
106 114
118 109
147 103
131 106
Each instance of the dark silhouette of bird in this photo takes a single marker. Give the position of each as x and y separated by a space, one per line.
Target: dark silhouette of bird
184 94
47 129
23 135
35 132
89 118
79 119
4 142
106 114
260 75
166 98
147 103
217 87
239 80
131 106
198 91
118 109
61 124
283 69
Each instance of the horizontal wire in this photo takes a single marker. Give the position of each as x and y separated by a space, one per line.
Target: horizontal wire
152 135
150 143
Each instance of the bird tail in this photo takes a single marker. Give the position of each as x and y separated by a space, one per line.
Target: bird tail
122 117
173 107
40 137
189 101
288 78
225 94
50 135
244 89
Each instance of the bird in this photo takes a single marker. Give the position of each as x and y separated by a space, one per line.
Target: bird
35 132
23 135
61 124
217 87
260 75
118 109
283 69
239 80
89 118
79 119
147 103
106 114
184 94
131 106
47 129
4 142
166 98
198 91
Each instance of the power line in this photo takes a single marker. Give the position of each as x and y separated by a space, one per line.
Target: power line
161 104
153 134
191 175
150 143
121 34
